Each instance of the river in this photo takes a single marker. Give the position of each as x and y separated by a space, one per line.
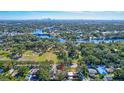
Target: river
100 40
40 33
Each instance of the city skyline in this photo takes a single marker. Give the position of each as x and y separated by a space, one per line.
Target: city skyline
86 15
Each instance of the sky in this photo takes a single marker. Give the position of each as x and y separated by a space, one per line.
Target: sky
85 15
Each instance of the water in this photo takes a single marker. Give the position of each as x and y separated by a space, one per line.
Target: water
40 33
101 70
1 70
99 40
61 40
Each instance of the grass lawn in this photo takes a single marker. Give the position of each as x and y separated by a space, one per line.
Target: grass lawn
72 69
4 58
3 55
48 56
32 56
29 56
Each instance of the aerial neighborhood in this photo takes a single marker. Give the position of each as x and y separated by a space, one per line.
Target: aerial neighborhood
61 50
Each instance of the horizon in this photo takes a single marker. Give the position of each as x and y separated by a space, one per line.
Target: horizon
61 19
62 15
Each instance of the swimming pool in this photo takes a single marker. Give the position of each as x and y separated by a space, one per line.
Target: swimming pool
102 70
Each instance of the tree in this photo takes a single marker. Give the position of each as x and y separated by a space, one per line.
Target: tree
83 69
61 75
119 74
91 60
44 71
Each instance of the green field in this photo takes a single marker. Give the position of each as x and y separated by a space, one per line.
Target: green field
3 55
32 56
